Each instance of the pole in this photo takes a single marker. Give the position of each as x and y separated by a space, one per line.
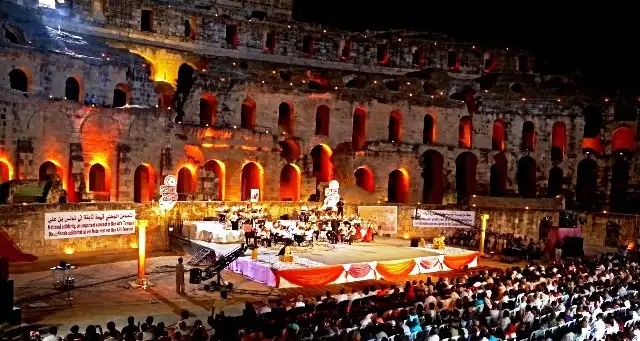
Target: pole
142 249
483 232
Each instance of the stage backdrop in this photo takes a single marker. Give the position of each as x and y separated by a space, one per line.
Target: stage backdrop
386 217
434 218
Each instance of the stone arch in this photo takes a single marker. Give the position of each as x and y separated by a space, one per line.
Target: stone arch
208 109
218 169
359 129
428 129
187 183
554 184
498 175
121 95
526 177
251 177
286 118
143 184
465 132
365 179
49 171
72 89
165 92
618 196
290 183
587 183
322 120
98 178
528 136
432 177
466 183
322 158
498 136
395 126
6 171
558 141
248 114
623 140
290 150
398 187
19 80
593 123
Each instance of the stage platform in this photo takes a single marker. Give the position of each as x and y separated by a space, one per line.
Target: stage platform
326 264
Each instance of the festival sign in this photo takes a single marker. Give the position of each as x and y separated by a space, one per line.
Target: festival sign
434 218
64 225
254 195
384 217
168 193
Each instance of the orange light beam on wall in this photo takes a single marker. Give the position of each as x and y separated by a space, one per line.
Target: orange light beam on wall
9 166
142 250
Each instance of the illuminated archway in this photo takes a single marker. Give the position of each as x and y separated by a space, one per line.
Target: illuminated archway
498 176
623 140
120 95
321 156
558 141
208 109
251 178
593 123
72 89
186 183
364 179
398 187
218 169
143 184
620 170
526 177
359 129
428 129
432 177
285 118
554 184
49 171
165 92
498 136
395 126
18 80
248 114
466 182
6 172
528 136
98 178
465 132
322 120
290 183
290 150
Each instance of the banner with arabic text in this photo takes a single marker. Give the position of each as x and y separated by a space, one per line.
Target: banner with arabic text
64 225
435 218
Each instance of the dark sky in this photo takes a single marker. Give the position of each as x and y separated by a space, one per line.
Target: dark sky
599 41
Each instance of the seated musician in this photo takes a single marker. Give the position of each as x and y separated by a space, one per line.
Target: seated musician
234 219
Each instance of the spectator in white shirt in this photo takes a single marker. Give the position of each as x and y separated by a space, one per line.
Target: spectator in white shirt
355 294
599 328
53 334
300 302
342 296
266 308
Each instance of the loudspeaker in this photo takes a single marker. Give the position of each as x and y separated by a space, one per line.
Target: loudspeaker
195 276
6 298
415 242
15 318
573 247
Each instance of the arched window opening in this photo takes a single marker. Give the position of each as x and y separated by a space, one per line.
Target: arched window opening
428 130
395 126
186 183
49 172
623 139
165 93
231 35
322 120
498 136
251 178
72 89
432 177
618 197
98 178
593 123
285 118
208 109
526 177
218 170
466 164
120 95
498 176
5 172
143 184
554 185
528 136
364 179
18 80
359 130
465 132
398 187
587 184
290 150
558 141
248 114
290 183
322 163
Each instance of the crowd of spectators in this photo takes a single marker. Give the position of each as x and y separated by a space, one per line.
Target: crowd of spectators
594 299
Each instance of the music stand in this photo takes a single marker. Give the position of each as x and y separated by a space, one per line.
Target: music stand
63 279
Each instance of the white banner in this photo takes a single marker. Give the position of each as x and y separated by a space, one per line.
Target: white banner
433 218
64 225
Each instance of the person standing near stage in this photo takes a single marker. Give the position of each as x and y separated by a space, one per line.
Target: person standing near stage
340 206
558 249
234 221
180 277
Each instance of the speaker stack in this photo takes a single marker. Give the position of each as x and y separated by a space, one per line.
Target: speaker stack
7 312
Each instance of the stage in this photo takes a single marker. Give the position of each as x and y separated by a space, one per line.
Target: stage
326 264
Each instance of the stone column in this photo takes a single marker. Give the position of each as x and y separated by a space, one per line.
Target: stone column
77 186
166 163
24 159
123 177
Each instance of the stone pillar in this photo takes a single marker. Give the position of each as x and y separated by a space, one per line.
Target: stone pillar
123 178
208 185
24 159
77 186
166 162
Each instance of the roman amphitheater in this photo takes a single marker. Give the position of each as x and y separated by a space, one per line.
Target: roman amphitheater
112 95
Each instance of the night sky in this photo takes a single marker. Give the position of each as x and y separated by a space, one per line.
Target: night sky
599 42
